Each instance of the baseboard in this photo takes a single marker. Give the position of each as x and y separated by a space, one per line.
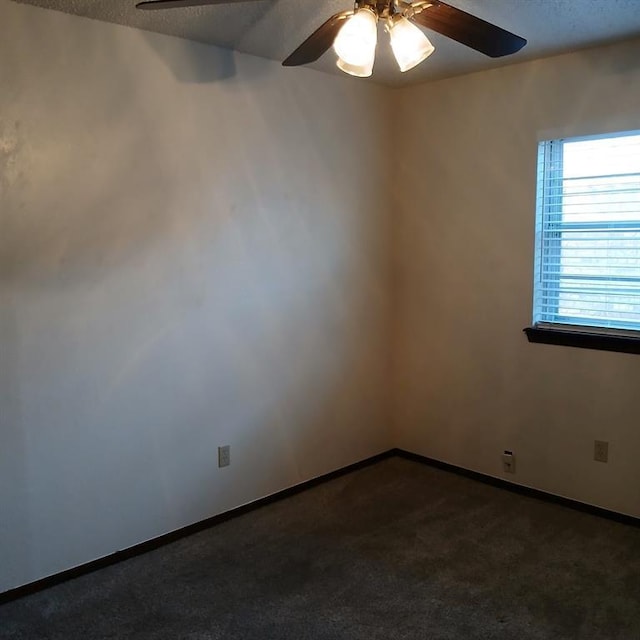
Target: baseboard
520 489
160 541
156 543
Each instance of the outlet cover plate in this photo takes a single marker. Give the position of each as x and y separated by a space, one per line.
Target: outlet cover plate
508 462
600 451
224 456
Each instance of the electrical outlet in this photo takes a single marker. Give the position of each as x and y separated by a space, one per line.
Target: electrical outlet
224 456
508 462
600 451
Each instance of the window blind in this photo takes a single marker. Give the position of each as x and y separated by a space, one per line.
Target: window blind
587 270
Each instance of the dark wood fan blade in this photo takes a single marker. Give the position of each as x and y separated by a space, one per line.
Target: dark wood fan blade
179 4
318 42
467 29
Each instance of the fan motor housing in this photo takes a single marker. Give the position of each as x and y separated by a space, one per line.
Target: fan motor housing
387 8
382 8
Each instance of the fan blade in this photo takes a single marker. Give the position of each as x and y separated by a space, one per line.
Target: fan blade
318 42
178 4
466 29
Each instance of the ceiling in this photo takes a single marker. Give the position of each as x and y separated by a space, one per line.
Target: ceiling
274 28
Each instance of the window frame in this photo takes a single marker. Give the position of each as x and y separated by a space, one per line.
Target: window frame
569 332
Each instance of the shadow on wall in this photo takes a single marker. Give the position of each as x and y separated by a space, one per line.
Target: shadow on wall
261 27
65 207
192 62
90 160
15 554
626 58
181 267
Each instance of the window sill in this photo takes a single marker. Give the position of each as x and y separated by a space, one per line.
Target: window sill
584 340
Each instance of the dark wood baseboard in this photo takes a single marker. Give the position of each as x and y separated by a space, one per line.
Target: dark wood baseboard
160 541
155 543
520 489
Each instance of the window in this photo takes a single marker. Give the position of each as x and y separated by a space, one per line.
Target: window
587 265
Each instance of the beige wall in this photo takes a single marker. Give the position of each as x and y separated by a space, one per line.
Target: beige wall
194 252
469 385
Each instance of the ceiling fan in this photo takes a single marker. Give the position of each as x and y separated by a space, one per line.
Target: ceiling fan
354 33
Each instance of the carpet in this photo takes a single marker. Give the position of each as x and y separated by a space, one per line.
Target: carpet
394 550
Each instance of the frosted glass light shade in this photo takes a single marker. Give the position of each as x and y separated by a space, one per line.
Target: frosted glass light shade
361 71
356 43
410 46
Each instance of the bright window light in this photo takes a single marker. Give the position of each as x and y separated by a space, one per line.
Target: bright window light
587 269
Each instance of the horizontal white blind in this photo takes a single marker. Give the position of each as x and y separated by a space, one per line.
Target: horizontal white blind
587 269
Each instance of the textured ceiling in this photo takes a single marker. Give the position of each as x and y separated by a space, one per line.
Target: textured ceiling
274 28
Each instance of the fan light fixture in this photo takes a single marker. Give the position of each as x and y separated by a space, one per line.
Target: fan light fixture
410 46
355 44
354 32
358 70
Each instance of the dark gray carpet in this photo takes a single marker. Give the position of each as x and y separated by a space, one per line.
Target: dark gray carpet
395 550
